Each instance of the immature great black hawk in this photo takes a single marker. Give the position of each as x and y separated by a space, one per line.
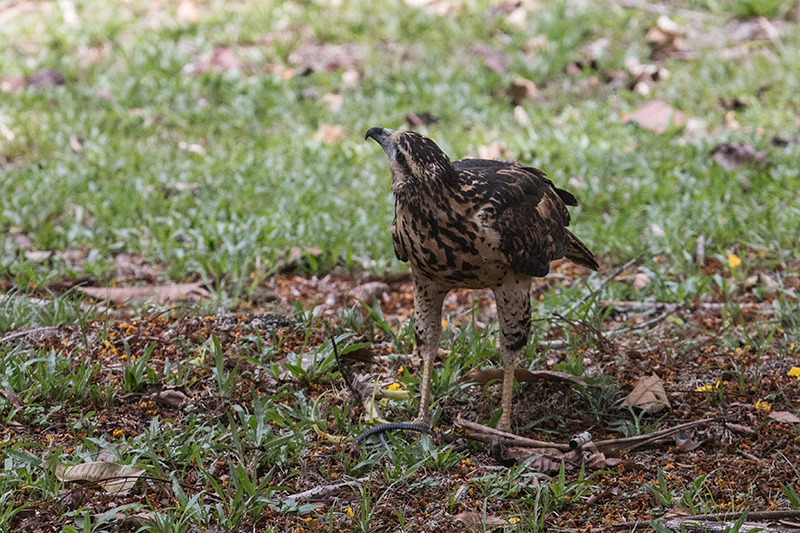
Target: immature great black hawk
474 223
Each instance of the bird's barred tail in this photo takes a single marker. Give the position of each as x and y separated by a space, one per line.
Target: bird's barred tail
578 253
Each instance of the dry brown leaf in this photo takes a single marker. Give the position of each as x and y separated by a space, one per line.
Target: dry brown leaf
131 522
157 293
731 156
685 441
641 280
648 394
521 116
367 291
170 398
330 134
333 101
535 44
440 8
665 38
495 150
111 477
522 89
474 521
188 12
415 120
46 77
12 398
784 416
741 429
656 116
37 256
493 59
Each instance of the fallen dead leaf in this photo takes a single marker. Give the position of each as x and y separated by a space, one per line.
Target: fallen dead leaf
731 156
333 101
170 398
656 116
495 150
330 134
188 12
366 292
522 89
665 39
12 398
684 441
645 76
648 394
415 120
760 29
543 460
521 116
157 293
47 77
493 59
784 416
440 8
535 44
474 521
111 477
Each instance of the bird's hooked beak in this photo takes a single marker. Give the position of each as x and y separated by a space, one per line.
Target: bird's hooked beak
383 137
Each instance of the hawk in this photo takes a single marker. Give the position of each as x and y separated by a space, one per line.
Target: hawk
474 223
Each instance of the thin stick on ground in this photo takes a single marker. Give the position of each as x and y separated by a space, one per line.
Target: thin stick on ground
755 515
614 274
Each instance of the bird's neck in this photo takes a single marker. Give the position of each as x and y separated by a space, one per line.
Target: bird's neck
429 188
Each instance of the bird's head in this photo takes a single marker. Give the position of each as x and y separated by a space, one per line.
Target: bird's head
413 159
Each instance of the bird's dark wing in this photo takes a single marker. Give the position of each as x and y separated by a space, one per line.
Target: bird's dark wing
526 211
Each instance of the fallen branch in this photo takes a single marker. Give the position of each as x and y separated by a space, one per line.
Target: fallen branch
755 515
325 491
27 333
608 447
487 434
602 286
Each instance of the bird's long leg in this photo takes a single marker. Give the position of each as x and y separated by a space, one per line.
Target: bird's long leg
428 300
514 314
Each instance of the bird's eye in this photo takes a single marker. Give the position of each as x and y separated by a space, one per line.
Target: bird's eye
400 158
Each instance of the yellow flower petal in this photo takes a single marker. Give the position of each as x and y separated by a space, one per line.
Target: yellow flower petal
704 388
794 372
734 260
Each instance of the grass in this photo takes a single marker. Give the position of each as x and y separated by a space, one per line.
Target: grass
214 171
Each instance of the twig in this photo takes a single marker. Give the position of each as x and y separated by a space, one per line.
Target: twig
608 447
606 281
634 327
509 439
755 515
27 332
324 491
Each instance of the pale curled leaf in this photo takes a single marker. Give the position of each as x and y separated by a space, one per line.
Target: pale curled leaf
157 293
648 394
112 477
656 116
784 416
475 522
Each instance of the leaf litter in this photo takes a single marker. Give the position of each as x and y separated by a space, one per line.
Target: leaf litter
708 447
